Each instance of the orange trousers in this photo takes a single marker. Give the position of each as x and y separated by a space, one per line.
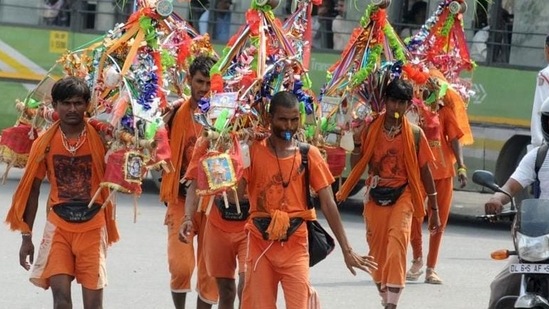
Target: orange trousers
181 257
388 234
269 263
445 191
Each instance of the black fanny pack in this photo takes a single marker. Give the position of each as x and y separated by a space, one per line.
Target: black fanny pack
386 196
263 223
231 213
76 212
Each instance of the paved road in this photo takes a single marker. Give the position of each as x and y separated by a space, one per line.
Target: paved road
138 275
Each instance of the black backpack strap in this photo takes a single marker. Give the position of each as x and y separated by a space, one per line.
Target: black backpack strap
540 157
304 150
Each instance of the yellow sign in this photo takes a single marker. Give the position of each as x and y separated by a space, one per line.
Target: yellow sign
59 41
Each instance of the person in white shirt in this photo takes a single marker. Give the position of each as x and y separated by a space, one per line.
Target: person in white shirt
479 48
542 93
320 25
341 27
506 283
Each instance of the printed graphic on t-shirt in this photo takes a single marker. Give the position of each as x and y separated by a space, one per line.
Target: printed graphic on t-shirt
273 193
73 176
388 166
273 197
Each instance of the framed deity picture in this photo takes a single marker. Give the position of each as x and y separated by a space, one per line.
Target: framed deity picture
221 101
219 171
328 104
133 167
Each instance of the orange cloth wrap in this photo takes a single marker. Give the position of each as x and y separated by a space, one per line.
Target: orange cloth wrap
410 158
169 188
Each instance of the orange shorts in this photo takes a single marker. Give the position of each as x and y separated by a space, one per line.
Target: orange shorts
222 250
181 257
80 255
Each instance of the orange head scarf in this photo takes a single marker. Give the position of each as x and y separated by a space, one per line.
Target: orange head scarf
169 188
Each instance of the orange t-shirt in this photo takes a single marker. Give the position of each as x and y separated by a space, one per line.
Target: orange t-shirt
71 179
265 177
200 149
388 159
442 148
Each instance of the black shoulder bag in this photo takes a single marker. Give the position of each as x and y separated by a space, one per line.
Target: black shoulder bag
320 242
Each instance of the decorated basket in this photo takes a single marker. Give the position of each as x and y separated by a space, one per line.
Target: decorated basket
15 146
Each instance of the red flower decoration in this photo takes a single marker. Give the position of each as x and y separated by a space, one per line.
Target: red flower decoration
248 79
183 52
253 19
415 74
134 17
317 2
380 17
143 12
216 83
233 38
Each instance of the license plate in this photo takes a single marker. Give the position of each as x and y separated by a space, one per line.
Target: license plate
529 268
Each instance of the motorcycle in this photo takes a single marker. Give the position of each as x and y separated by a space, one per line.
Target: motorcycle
530 232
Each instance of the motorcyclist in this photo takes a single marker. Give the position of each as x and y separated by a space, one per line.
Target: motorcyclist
506 283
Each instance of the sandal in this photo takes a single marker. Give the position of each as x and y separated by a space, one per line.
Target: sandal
415 271
432 277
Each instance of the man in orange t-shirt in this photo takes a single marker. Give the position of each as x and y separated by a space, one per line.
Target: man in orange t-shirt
184 132
71 154
278 253
398 170
445 145
224 239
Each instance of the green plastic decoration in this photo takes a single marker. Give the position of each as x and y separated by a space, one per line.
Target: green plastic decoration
307 83
150 130
146 24
216 67
448 23
167 60
221 120
302 113
363 73
32 103
443 89
310 132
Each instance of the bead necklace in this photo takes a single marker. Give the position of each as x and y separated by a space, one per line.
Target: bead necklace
392 132
284 183
72 149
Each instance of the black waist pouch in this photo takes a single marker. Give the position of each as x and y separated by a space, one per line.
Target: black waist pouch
386 196
231 213
76 212
263 223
